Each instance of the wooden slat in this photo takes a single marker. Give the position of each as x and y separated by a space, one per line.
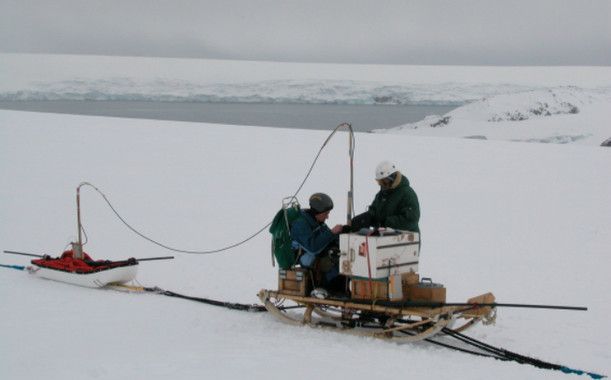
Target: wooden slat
421 311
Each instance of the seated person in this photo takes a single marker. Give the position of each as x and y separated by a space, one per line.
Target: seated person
317 242
395 205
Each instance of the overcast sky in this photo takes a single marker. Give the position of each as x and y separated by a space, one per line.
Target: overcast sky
470 32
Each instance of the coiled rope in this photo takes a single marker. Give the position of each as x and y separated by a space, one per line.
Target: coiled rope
203 252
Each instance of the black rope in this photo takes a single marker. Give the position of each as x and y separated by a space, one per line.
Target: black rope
242 241
501 351
471 352
228 305
472 342
446 345
507 355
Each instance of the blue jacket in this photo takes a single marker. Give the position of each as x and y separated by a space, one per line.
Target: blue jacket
311 236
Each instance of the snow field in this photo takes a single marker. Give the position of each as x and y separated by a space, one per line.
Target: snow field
529 222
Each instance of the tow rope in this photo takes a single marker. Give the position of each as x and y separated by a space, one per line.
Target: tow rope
485 350
208 301
506 355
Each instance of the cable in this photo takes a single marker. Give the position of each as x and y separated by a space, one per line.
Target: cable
203 252
229 305
460 349
507 355
85 233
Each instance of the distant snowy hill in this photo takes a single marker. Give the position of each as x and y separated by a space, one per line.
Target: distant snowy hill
557 115
307 91
496 102
68 77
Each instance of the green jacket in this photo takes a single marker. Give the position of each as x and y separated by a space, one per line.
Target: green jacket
396 207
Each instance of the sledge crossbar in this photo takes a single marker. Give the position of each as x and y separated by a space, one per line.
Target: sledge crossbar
22 253
143 259
156 258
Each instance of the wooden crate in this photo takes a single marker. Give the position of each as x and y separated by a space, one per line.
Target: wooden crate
363 289
294 281
383 288
424 292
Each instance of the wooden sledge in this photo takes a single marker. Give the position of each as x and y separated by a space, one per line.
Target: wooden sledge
397 321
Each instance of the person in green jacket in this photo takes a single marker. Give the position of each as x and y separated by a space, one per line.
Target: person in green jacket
395 205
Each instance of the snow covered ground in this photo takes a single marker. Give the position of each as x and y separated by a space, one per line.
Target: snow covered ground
529 222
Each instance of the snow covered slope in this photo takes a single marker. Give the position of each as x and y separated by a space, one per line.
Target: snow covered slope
530 222
558 115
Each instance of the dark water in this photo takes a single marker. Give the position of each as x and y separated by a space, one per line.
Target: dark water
306 116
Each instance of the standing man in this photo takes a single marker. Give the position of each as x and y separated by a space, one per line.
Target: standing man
310 234
395 205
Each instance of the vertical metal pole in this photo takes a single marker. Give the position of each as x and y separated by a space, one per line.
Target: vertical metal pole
349 210
77 249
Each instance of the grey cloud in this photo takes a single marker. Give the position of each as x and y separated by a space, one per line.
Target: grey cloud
536 32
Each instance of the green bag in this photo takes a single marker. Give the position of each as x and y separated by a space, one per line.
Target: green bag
281 235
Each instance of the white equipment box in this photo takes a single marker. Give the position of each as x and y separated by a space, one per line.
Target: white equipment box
378 256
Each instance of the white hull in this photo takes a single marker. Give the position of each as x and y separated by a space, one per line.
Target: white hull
91 280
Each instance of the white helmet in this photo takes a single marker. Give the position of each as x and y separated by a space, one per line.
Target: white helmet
384 169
